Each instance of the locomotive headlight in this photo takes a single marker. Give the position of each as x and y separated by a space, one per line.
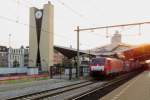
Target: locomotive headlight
97 68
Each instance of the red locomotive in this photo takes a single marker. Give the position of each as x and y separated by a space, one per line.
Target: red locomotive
105 66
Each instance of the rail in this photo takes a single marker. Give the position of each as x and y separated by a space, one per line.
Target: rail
51 92
90 86
98 92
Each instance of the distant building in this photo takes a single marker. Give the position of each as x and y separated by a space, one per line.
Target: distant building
18 57
115 46
3 56
116 38
26 56
58 57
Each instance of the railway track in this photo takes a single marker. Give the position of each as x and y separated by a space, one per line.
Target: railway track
51 92
79 93
87 90
98 92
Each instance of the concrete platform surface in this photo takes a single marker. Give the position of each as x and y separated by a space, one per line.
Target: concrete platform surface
137 88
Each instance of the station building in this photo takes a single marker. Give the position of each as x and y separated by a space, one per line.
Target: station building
3 56
115 46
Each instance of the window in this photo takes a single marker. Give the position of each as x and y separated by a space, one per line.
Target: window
98 61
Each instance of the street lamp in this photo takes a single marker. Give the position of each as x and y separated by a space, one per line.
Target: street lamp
78 60
9 62
45 62
49 71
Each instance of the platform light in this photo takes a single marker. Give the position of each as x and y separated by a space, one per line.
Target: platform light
131 59
142 62
121 55
147 61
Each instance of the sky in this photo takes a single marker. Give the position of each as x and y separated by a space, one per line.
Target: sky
68 14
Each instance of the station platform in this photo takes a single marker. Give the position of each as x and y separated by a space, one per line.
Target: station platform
137 88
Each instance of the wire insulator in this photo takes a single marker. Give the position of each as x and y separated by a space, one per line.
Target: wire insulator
107 36
139 29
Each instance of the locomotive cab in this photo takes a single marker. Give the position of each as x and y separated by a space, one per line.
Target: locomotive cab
105 66
97 66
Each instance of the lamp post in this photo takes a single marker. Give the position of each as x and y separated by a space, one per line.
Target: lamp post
49 68
9 51
78 60
45 62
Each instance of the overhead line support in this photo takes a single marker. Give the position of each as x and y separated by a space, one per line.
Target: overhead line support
112 26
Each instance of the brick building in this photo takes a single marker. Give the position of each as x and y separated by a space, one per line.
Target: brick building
58 57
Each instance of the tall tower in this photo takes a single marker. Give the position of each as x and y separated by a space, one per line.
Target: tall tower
116 39
41 37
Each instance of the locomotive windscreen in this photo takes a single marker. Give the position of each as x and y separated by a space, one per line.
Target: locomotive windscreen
100 61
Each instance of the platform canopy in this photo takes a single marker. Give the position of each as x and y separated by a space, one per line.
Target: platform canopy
141 53
69 52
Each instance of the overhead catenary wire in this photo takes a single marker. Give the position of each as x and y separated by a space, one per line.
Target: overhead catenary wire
70 8
60 2
64 4
18 2
34 26
139 29
84 17
27 25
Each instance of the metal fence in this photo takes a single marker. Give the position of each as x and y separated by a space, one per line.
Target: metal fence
68 72
6 71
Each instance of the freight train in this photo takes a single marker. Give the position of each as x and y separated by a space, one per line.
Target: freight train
105 66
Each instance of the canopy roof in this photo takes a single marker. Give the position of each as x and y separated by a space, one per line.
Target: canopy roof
141 53
69 52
